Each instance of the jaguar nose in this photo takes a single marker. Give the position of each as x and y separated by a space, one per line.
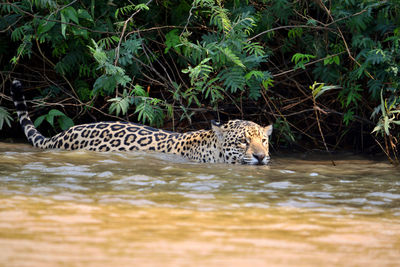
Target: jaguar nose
259 156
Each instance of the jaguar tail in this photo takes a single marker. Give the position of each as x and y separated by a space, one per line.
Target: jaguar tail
33 135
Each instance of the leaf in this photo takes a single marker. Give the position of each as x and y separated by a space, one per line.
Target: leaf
108 42
377 129
231 55
171 41
376 56
104 84
50 119
142 7
316 87
80 32
63 25
383 110
139 91
336 59
254 89
82 13
330 60
5 117
348 117
39 120
311 22
119 104
46 25
18 33
233 78
267 83
294 33
255 48
386 125
300 60
256 73
65 122
70 14
55 112
325 89
122 79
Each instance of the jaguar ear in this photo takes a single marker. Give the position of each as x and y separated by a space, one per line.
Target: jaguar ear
216 127
268 130
215 123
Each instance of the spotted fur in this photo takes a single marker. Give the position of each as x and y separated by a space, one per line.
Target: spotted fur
237 141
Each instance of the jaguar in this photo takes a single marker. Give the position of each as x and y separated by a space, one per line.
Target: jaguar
234 142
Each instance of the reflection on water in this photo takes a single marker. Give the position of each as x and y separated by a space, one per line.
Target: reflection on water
97 209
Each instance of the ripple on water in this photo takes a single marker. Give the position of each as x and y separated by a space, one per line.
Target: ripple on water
281 185
201 186
135 180
138 183
286 171
205 177
198 196
318 194
257 205
167 168
35 166
69 196
41 189
357 201
72 187
302 204
346 181
108 161
66 170
14 177
126 199
384 195
106 174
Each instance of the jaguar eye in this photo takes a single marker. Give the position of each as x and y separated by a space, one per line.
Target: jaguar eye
265 140
242 141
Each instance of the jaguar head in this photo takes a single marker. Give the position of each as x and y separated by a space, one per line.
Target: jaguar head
243 142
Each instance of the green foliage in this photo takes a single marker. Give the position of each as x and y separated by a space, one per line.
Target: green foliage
284 131
129 9
171 41
390 116
301 59
282 9
108 42
113 75
5 117
149 111
44 3
63 120
332 60
225 60
350 95
120 104
318 89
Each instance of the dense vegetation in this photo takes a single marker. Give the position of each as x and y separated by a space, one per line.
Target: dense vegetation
326 73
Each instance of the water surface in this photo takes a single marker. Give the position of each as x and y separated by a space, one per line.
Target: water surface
78 208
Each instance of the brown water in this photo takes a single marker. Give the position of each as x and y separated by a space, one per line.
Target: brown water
60 208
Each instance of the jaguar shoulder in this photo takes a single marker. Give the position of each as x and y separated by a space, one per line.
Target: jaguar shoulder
236 141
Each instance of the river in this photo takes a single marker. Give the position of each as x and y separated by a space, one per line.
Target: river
79 208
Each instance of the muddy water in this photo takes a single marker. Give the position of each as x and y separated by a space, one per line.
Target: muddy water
60 208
